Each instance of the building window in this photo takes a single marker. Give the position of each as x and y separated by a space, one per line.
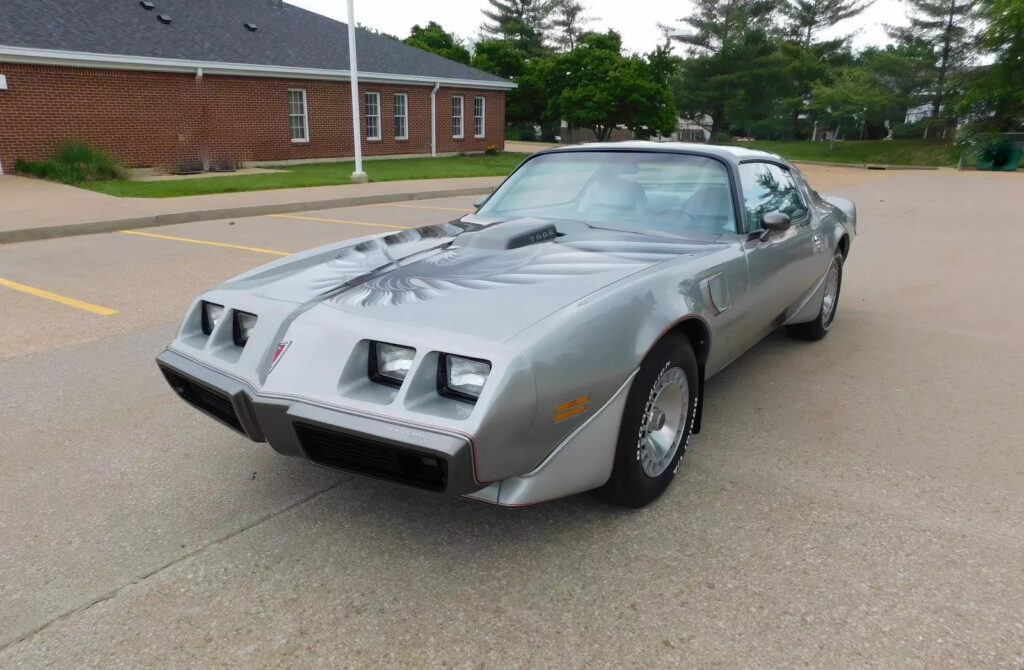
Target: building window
479 103
401 116
298 116
457 117
373 116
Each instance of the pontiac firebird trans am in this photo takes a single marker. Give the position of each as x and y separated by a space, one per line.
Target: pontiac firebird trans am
555 341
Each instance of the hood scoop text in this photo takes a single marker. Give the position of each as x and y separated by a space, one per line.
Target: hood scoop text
511 235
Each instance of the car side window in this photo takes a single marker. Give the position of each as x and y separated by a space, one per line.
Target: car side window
770 188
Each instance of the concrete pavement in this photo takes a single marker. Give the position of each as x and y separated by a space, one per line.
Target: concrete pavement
856 502
34 209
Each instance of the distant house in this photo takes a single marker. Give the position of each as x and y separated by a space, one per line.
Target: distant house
915 114
163 82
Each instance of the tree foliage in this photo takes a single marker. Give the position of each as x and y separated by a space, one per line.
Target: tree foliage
995 96
568 22
436 39
948 27
596 86
524 23
807 17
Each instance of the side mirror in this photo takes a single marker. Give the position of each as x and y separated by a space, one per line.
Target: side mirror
776 221
479 202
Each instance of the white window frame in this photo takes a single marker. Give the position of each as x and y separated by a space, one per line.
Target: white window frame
404 116
367 116
461 117
482 118
304 116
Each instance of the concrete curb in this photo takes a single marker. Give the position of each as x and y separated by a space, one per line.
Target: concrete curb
870 166
150 221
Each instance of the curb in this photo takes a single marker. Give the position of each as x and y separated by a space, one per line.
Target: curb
870 166
110 226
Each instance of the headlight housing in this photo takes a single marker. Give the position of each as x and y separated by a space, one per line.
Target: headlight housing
390 363
212 313
243 324
461 378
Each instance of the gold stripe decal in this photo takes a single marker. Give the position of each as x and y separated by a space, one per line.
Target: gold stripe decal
572 407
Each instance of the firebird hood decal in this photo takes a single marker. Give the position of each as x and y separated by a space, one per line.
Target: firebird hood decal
461 269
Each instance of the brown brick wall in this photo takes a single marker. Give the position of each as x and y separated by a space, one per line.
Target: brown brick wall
159 118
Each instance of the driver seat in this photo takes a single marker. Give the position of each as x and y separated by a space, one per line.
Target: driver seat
610 198
710 209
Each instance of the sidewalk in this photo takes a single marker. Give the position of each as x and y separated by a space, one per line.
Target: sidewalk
34 209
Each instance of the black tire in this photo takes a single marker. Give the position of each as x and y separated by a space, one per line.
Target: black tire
817 329
630 485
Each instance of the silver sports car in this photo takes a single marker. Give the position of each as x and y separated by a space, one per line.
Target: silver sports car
555 341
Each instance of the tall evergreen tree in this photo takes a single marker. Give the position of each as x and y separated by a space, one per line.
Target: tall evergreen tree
806 17
568 22
733 70
948 26
996 96
522 22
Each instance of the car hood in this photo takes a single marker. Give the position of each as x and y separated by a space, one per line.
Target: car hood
489 280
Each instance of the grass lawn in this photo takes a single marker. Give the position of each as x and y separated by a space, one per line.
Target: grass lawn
317 174
881 152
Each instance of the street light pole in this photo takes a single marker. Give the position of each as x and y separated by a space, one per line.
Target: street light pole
358 176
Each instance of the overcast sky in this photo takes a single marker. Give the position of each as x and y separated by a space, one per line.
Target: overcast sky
636 20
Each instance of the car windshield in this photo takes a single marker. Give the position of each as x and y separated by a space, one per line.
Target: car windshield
649 191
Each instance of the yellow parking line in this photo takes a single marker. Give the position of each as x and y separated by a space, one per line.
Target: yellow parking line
354 223
207 243
63 299
447 209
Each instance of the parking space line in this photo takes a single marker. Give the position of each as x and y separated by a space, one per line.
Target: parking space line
56 297
464 210
206 242
354 223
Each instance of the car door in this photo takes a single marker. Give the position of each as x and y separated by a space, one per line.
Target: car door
781 264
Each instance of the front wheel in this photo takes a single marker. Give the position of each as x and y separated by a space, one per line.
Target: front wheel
656 424
817 329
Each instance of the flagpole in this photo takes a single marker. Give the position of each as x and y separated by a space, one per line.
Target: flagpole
358 176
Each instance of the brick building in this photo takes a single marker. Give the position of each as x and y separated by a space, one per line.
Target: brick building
163 82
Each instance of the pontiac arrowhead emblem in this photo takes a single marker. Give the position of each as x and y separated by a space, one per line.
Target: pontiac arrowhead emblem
281 348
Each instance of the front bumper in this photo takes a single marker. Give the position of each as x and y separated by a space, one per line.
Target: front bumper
418 456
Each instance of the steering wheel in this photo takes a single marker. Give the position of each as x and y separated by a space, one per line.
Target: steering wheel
673 217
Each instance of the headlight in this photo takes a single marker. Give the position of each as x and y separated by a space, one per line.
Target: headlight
462 378
212 313
244 323
390 363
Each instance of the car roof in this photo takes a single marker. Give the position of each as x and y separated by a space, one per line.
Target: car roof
730 154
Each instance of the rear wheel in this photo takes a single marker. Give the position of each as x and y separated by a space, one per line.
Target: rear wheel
656 424
817 329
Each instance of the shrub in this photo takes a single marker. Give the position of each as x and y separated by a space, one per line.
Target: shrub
74 163
492 150
997 152
908 131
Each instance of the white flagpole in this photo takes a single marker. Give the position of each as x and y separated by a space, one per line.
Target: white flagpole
358 176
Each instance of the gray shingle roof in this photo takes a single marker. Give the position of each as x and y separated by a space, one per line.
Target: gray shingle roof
214 31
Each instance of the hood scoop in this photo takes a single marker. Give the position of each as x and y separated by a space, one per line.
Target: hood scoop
511 235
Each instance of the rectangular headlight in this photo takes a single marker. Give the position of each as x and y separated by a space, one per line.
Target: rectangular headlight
462 378
390 363
211 316
243 325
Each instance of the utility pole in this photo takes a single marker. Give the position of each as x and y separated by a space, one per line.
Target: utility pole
358 176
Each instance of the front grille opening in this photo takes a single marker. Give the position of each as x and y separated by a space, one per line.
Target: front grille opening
216 404
372 458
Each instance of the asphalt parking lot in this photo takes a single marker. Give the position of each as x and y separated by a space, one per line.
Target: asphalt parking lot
856 502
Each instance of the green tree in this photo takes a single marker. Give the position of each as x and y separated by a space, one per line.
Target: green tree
527 102
568 21
521 22
595 86
806 17
435 39
996 94
854 102
948 27
733 63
